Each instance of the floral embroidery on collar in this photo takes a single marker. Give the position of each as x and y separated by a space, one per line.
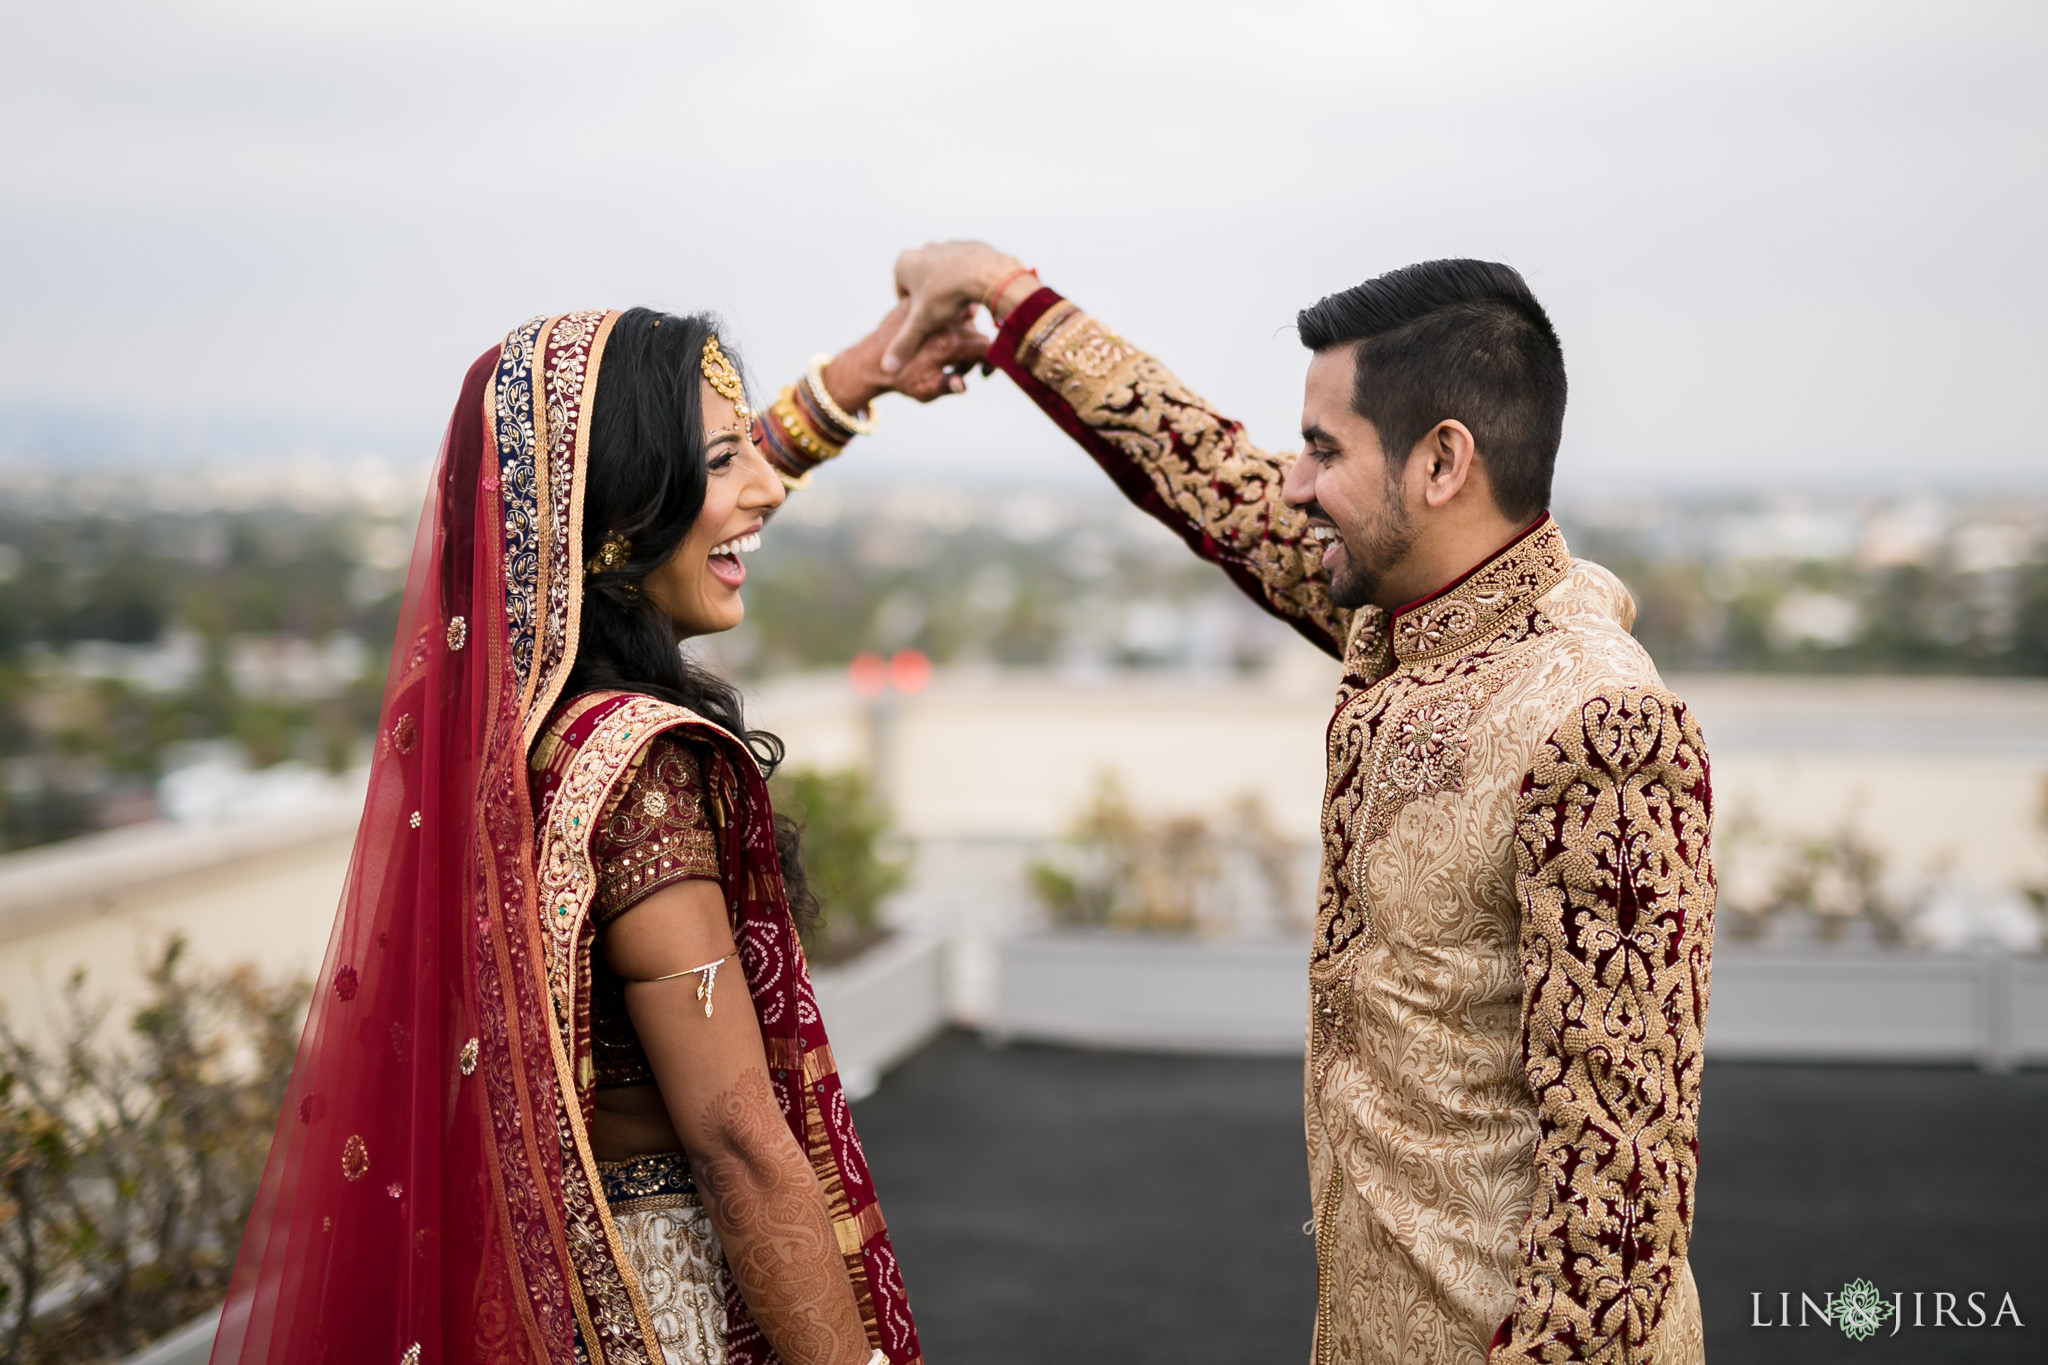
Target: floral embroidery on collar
1462 614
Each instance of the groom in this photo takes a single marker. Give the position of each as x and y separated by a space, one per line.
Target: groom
1514 917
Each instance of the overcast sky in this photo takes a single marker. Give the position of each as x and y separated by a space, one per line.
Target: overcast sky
1787 244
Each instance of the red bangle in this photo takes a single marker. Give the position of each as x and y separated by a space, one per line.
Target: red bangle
988 300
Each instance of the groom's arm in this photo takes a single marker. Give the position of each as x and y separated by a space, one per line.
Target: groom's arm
1617 891
1173 455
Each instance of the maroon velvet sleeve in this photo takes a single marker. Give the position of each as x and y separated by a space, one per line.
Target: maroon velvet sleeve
1138 484
1002 353
1617 890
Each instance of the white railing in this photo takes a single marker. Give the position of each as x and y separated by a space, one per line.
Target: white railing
1250 996
1153 992
1824 1005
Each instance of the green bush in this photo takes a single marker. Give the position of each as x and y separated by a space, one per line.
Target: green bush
127 1169
1173 874
1121 870
848 853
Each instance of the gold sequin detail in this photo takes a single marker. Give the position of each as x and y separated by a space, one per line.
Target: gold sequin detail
411 1356
458 632
404 734
395 1190
656 835
355 1158
467 1061
414 820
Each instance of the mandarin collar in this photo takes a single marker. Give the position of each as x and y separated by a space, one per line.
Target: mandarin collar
1469 608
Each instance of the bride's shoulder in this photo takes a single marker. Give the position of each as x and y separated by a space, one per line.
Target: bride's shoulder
637 713
576 719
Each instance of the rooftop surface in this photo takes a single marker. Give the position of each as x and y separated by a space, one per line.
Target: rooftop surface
1059 1205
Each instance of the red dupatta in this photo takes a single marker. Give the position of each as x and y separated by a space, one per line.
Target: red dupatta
429 1197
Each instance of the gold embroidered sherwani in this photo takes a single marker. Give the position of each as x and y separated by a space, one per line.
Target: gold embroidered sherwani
1514 920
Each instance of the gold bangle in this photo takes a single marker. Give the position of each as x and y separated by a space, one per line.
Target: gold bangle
816 379
799 431
789 417
779 458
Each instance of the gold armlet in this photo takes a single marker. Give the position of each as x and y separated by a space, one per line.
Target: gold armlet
707 977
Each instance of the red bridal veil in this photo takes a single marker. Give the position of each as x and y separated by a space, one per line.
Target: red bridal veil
423 1203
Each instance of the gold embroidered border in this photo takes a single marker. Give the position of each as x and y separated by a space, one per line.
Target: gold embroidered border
647 1203
1462 614
503 825
566 886
499 970
571 384
1036 341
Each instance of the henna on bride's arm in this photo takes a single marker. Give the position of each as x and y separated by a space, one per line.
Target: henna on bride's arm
756 1182
775 1231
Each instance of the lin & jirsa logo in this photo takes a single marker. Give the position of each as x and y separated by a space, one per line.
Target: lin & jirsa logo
1861 1310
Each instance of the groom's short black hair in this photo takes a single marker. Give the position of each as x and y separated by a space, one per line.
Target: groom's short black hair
1462 340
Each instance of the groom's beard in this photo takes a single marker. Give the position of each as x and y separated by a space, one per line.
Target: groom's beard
1370 553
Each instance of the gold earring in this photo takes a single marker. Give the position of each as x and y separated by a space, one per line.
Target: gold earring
615 551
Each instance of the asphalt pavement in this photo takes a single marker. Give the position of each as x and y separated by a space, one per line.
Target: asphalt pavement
1051 1204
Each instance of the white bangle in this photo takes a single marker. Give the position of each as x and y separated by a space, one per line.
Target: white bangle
816 379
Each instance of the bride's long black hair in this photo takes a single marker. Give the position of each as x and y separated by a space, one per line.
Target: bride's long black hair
645 481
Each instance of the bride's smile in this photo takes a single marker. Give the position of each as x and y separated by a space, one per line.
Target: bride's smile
698 588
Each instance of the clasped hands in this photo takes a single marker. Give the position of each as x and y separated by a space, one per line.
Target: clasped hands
926 344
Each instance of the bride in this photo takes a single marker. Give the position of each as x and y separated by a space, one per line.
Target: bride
564 1094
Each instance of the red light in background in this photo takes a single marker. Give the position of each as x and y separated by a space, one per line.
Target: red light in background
868 674
910 670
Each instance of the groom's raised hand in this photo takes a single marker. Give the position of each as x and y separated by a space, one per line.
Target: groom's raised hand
943 282
856 376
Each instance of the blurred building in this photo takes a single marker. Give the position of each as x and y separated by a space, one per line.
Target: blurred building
208 651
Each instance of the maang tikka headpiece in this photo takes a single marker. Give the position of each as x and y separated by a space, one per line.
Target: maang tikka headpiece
720 375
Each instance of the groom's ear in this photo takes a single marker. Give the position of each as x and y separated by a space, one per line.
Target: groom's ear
1449 460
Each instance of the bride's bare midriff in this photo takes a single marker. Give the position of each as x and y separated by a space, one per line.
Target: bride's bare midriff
630 1121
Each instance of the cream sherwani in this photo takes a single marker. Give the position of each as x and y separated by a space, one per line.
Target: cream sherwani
1514 924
